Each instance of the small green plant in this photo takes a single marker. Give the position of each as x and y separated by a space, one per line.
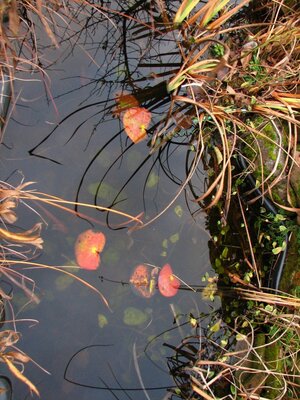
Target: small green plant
217 50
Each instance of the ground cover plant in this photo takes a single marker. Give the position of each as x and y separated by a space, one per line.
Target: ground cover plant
226 93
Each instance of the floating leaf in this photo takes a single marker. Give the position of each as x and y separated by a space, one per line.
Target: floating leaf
133 316
136 120
88 247
143 280
168 284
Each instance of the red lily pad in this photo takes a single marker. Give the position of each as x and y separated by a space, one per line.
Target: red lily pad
136 120
168 284
88 247
143 280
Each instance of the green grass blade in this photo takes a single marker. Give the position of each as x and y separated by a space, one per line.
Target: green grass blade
184 10
213 11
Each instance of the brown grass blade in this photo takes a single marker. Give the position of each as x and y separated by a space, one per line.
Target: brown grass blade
60 269
221 20
31 236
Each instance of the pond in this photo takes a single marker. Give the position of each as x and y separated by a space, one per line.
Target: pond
91 351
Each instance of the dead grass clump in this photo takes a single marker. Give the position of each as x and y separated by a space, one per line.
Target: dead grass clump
256 358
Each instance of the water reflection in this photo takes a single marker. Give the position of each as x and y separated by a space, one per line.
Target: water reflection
90 351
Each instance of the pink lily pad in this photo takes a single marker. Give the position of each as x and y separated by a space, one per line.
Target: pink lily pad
168 284
136 120
143 280
88 247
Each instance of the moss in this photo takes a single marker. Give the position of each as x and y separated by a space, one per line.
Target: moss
273 362
250 380
291 275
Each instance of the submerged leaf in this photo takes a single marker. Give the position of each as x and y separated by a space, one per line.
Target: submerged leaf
133 316
62 282
152 180
174 238
178 211
136 120
102 320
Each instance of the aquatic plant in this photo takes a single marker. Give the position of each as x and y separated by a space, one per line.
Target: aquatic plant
20 248
227 94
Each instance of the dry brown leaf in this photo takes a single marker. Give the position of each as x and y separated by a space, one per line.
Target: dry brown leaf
13 17
16 355
31 236
247 52
6 213
18 374
39 5
8 338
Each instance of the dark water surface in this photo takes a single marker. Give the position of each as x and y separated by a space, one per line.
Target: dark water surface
120 354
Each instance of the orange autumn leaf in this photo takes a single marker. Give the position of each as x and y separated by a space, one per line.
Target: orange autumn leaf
136 120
